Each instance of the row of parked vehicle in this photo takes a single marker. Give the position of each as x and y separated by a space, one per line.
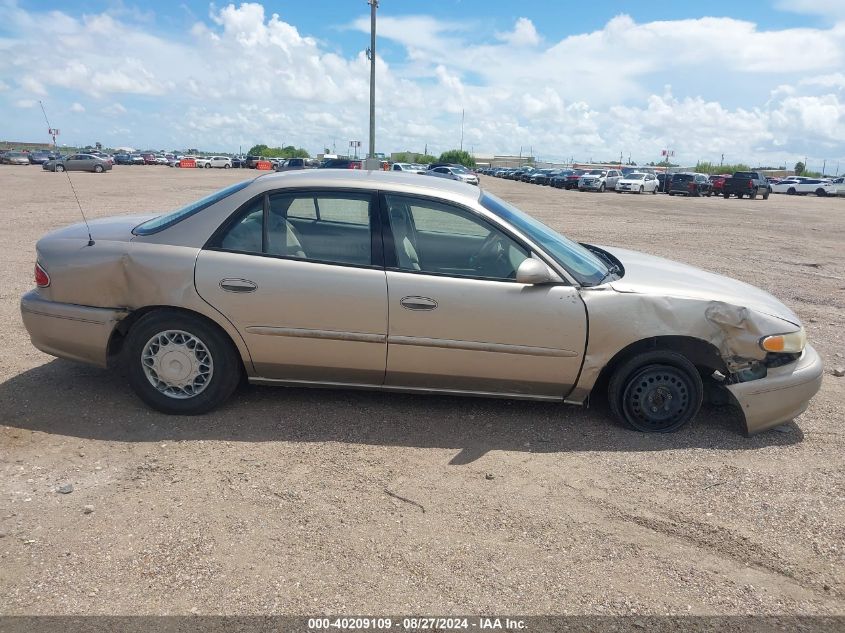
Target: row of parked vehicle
647 180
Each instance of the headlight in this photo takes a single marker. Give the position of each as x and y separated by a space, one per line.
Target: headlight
791 343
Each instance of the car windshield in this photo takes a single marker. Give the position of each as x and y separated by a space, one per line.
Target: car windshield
586 267
595 172
165 221
635 176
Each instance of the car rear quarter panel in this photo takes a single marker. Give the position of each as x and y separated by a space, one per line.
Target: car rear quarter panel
129 276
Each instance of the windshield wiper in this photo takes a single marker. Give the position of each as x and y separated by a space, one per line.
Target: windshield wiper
614 269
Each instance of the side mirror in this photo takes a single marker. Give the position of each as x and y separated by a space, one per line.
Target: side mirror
531 271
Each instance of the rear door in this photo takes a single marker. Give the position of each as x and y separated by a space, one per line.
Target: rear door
459 321
301 277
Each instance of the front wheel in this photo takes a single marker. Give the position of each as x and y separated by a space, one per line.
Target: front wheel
726 195
226 166
179 364
641 189
208 165
821 193
59 168
601 188
656 392
98 169
654 191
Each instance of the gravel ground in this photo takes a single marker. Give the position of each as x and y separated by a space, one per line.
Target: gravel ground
292 501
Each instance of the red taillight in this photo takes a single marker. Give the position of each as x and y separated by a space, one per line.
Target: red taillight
42 279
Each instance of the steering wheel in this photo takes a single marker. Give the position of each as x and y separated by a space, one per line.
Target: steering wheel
490 254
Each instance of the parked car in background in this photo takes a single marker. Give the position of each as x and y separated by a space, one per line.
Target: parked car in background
690 184
340 163
38 157
122 159
78 162
149 158
137 159
161 159
558 180
805 186
543 176
252 161
408 167
637 182
717 182
274 280
220 162
599 180
663 179
454 172
15 158
746 183
291 164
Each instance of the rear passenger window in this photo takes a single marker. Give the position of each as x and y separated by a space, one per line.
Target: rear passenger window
330 228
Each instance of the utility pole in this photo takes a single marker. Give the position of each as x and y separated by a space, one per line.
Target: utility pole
824 167
371 53
462 129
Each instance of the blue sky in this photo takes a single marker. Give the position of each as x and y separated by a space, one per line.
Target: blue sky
758 81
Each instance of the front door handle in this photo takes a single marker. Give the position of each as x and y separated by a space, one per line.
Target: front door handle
238 285
418 303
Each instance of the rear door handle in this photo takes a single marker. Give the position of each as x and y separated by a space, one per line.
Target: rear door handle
238 285
418 303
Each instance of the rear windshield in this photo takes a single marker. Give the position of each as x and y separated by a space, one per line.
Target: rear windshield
166 221
682 177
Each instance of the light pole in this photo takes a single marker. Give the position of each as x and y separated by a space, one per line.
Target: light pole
371 53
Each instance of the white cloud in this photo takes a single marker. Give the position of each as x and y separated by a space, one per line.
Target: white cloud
245 76
523 34
25 103
832 8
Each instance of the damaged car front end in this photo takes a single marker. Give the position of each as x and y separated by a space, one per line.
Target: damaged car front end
747 344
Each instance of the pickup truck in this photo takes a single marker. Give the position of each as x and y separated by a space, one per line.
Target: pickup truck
746 183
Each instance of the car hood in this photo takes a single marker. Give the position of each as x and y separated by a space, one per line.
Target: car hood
647 274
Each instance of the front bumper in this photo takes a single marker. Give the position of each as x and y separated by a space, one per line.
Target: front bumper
75 332
782 395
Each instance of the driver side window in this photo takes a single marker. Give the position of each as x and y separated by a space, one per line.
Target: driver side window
438 238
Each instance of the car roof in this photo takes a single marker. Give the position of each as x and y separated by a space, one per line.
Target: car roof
363 179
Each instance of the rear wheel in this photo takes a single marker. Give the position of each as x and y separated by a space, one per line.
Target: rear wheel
59 168
601 188
726 195
179 364
766 195
208 165
791 191
654 191
821 193
641 189
98 169
656 392
226 166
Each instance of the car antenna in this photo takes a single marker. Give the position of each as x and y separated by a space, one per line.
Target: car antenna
53 133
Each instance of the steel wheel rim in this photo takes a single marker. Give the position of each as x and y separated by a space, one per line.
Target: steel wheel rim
177 364
658 397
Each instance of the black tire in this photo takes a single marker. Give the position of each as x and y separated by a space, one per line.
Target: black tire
225 362
601 188
98 169
726 195
226 166
753 195
821 193
59 168
791 191
641 189
739 196
671 193
208 165
654 191
667 382
766 195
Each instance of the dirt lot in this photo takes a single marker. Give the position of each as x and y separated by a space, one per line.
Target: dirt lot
298 501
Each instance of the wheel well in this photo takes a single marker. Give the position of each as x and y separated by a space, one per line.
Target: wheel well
118 336
705 356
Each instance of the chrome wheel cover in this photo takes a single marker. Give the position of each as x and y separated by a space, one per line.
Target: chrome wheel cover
177 364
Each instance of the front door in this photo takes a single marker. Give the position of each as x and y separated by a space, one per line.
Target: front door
458 318
301 278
